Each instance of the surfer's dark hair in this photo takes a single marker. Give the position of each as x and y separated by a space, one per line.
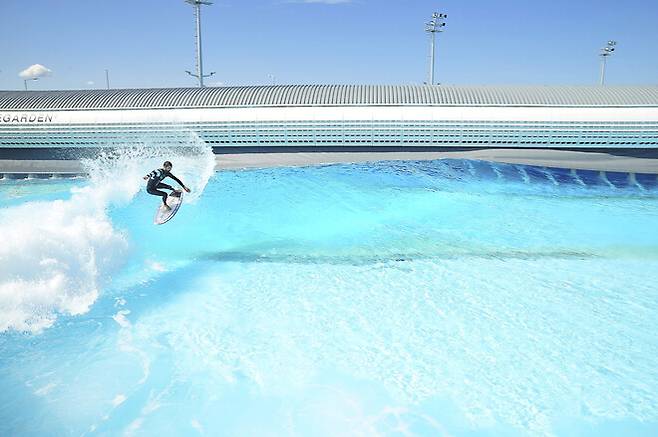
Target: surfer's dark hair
167 163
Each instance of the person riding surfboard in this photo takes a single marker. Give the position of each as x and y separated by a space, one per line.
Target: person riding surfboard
155 182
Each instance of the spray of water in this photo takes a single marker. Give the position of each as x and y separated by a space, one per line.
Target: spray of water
57 256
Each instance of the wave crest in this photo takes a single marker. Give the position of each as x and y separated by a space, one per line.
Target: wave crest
56 256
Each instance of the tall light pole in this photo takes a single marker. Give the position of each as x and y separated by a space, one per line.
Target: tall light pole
605 52
199 56
432 27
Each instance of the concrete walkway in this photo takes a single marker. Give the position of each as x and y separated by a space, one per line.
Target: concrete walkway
35 166
548 158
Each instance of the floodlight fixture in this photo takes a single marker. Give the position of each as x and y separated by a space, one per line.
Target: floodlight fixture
605 53
432 27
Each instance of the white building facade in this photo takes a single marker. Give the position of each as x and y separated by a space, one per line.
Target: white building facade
309 117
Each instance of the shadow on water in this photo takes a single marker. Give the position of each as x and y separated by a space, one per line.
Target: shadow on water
272 255
148 294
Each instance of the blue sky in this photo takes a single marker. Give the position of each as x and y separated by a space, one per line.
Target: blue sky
150 43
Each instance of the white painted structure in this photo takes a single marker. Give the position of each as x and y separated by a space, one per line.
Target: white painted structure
335 116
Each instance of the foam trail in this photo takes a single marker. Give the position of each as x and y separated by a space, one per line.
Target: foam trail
117 175
56 256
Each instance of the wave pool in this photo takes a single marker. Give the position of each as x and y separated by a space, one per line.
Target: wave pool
411 298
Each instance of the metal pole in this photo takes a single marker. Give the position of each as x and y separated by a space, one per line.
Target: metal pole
432 35
199 61
603 62
606 51
432 27
199 53
107 79
25 81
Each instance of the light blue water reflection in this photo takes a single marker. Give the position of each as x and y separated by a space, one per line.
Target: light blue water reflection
415 298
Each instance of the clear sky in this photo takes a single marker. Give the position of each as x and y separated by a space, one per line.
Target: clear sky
150 43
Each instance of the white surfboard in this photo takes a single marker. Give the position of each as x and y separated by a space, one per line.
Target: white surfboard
162 215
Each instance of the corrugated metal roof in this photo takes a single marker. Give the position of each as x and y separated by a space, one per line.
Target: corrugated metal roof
331 95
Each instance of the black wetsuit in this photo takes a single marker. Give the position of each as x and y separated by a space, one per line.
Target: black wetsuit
155 182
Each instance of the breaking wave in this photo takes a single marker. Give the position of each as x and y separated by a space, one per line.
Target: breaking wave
57 256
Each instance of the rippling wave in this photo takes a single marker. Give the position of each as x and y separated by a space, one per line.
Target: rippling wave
421 298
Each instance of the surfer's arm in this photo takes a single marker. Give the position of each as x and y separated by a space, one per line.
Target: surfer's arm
176 179
179 182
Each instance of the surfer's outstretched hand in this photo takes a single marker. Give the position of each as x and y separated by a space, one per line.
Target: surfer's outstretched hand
187 189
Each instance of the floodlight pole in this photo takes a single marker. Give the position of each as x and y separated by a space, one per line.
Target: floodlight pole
199 57
605 52
432 52
432 27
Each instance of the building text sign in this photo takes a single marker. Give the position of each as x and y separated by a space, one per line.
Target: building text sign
26 118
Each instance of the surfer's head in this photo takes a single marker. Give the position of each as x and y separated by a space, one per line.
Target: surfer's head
167 165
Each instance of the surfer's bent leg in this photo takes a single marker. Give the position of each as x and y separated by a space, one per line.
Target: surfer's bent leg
165 186
155 192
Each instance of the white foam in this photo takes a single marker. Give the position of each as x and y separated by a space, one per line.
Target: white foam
196 425
119 399
121 319
52 260
43 391
55 257
134 426
155 265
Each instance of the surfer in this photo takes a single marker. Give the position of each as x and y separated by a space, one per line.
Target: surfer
155 182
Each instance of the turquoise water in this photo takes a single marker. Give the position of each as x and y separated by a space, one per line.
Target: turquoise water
411 298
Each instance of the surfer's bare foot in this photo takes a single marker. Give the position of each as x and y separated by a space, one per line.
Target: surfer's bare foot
166 207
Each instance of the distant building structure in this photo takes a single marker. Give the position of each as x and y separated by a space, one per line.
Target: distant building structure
335 117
